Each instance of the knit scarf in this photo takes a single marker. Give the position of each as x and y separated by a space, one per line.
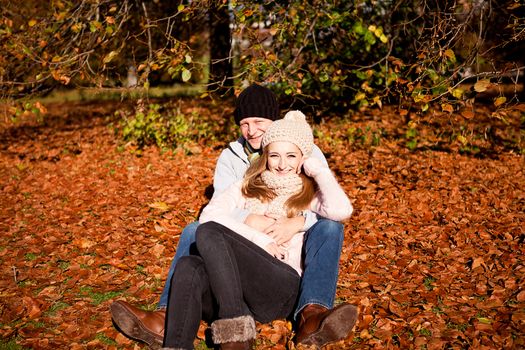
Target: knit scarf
252 153
283 186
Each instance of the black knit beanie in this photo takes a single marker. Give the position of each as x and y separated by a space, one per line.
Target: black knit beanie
256 101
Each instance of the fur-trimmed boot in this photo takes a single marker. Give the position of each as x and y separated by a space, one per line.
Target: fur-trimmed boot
234 333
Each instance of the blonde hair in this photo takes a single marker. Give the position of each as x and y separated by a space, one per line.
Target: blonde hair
254 187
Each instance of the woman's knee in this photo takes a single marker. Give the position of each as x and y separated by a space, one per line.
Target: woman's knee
207 234
189 264
187 268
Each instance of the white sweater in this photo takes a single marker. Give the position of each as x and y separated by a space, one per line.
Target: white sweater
330 202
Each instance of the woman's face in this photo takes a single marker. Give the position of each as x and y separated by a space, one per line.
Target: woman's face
284 158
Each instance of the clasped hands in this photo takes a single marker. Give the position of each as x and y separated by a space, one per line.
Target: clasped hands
281 229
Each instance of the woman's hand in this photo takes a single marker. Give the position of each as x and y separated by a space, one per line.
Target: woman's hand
278 252
313 166
283 229
259 222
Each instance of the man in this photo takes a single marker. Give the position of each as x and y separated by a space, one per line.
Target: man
317 322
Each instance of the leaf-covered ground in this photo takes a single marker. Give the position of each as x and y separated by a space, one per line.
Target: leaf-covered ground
433 255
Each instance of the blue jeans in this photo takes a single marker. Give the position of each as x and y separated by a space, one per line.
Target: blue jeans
186 242
323 243
321 253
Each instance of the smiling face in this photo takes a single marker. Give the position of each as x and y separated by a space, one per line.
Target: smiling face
253 129
284 158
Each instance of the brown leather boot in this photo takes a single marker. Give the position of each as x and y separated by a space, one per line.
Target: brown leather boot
146 326
319 326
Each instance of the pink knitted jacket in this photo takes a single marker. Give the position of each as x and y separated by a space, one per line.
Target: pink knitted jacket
330 202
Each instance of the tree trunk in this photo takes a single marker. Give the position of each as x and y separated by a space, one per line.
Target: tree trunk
221 71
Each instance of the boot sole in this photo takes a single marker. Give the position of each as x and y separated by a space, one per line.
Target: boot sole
333 328
132 327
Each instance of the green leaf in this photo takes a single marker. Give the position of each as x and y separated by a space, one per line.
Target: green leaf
109 57
359 96
499 101
26 50
450 54
361 75
412 144
462 139
186 75
377 31
457 93
358 28
411 133
94 25
484 320
418 97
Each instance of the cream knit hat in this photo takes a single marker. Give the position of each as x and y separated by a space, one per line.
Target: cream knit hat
292 128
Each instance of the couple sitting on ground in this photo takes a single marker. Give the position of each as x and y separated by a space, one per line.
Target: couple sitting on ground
267 246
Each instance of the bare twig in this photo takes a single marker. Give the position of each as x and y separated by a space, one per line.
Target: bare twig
148 31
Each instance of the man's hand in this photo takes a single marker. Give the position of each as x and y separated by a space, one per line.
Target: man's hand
259 222
276 251
283 229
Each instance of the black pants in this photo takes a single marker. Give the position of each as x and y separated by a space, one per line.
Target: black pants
229 277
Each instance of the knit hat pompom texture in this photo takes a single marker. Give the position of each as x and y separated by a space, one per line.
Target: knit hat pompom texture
292 128
256 101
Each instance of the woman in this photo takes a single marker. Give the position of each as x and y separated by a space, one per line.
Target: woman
240 273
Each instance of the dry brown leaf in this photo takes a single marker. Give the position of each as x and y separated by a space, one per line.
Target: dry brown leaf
434 242
477 262
32 307
521 296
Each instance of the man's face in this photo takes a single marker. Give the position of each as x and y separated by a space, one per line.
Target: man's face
253 129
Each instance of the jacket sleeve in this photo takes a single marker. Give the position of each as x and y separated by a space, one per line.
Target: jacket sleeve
311 217
221 209
317 153
224 175
330 201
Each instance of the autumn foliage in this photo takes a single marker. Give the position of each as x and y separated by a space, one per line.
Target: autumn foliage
433 255
335 55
